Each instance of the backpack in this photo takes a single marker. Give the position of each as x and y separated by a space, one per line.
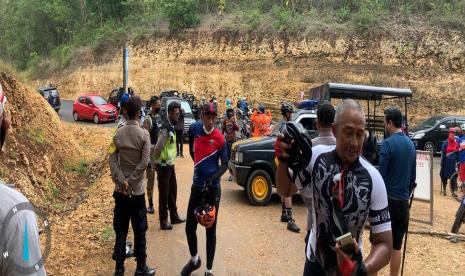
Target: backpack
154 128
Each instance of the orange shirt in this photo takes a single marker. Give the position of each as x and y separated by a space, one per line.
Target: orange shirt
261 123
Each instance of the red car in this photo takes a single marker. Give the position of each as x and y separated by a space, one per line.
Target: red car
94 107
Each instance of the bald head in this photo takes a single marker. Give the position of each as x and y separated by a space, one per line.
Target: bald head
345 105
349 129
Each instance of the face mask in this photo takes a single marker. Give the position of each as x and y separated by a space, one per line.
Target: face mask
208 132
157 110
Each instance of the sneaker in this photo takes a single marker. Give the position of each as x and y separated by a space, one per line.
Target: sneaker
145 271
165 226
208 274
150 210
291 226
191 267
284 218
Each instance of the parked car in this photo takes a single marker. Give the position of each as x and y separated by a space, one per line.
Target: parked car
189 116
430 134
253 164
52 96
94 107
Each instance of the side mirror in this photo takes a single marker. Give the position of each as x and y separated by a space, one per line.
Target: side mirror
91 105
442 127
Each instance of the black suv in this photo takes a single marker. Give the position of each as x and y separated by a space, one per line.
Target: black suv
52 96
253 163
430 134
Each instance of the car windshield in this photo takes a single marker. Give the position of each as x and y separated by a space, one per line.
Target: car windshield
431 122
97 100
184 105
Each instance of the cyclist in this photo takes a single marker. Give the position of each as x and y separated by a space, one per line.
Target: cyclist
209 147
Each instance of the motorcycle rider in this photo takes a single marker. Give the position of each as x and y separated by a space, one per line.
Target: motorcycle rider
286 201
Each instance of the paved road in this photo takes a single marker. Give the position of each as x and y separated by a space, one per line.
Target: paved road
66 114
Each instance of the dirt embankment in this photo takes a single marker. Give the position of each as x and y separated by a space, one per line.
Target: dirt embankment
57 167
271 69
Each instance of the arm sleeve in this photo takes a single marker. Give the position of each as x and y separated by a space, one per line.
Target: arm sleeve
384 158
191 142
224 153
144 161
162 138
224 163
22 243
116 173
413 176
378 216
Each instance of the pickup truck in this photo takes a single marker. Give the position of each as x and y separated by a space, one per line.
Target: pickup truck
253 165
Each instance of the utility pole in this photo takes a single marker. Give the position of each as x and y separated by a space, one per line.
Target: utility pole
125 70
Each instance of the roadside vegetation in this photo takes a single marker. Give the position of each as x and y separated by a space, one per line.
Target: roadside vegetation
56 31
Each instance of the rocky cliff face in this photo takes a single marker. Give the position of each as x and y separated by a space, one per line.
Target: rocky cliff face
272 69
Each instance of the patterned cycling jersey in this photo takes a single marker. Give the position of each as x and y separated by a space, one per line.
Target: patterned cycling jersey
364 197
209 149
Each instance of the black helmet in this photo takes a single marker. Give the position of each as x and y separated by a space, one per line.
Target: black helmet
300 153
209 108
286 108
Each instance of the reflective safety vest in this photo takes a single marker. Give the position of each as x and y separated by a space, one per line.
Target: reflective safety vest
168 152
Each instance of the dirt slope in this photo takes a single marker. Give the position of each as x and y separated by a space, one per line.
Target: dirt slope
40 156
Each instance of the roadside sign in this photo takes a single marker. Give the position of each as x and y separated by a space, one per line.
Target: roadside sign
424 179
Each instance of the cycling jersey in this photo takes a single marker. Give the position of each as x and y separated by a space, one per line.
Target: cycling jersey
364 197
208 149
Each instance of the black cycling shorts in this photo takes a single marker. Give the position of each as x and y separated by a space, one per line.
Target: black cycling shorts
399 212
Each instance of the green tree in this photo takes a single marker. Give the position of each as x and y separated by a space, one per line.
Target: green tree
181 14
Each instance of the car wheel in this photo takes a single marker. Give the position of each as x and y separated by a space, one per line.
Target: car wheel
429 146
259 188
96 119
75 116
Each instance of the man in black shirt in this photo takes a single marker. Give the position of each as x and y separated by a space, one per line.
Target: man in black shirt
152 124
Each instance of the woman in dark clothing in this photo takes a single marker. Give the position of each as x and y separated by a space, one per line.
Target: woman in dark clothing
449 151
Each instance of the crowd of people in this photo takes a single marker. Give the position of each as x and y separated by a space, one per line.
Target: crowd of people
453 160
340 188
342 191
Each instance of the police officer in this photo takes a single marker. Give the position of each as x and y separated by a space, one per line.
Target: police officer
165 156
128 163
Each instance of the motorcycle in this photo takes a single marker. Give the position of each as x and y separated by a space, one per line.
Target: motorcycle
244 119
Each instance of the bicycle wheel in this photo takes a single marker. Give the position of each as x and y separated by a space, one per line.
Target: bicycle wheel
459 217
